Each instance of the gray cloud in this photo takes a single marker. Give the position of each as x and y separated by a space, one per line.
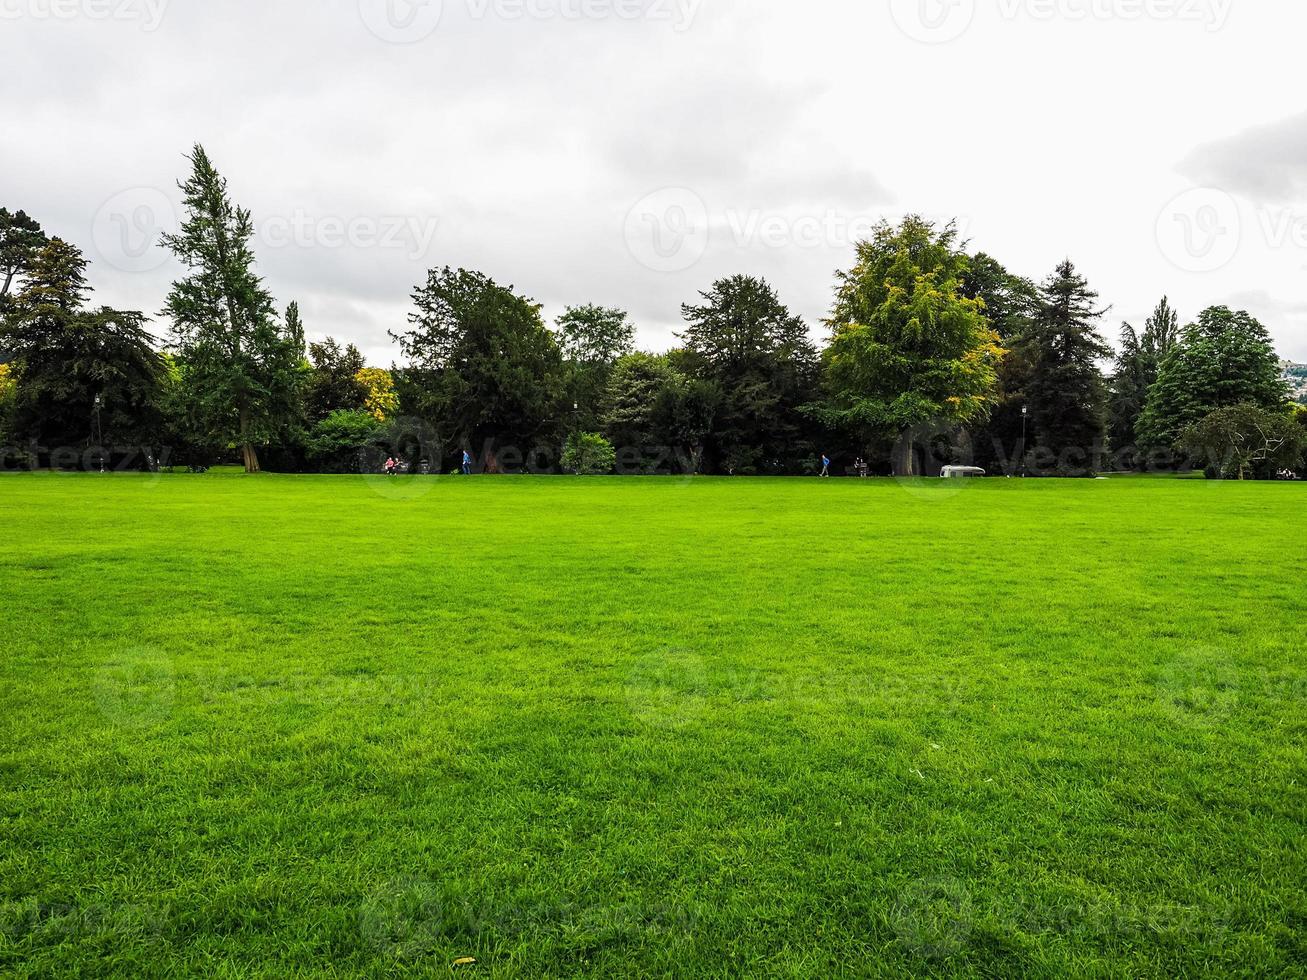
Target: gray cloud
1265 163
529 141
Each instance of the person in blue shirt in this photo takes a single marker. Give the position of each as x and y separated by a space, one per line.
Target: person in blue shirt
825 466
467 463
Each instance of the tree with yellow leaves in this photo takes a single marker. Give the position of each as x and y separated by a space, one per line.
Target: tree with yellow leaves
909 348
8 385
381 402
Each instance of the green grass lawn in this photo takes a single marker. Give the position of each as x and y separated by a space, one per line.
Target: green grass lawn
279 726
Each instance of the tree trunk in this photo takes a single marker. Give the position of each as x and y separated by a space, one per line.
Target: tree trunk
905 458
250 457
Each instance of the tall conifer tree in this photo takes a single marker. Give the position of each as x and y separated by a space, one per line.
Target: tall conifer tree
241 367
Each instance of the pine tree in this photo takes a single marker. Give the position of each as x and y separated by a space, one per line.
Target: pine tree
242 369
1137 366
1065 389
21 238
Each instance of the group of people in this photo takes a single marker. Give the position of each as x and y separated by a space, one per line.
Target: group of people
395 467
860 468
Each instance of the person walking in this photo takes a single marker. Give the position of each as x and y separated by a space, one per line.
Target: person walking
467 463
825 466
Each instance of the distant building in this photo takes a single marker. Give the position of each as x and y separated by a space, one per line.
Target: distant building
1296 375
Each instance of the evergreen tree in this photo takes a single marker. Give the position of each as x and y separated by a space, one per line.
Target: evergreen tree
1137 366
242 369
294 328
759 356
592 339
1009 303
1065 390
908 347
1009 299
67 355
490 371
21 238
334 384
1222 360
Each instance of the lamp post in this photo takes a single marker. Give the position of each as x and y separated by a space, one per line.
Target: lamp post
99 435
1025 414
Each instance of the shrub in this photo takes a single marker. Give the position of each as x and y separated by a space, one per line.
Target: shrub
344 442
588 454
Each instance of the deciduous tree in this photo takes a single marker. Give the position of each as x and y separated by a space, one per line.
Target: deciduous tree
592 339
908 346
380 399
1239 440
1223 359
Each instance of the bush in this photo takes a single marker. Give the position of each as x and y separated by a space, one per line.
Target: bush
588 454
344 442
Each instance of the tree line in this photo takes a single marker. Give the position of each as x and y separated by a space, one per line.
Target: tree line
935 355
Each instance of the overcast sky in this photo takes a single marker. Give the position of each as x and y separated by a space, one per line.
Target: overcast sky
628 152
